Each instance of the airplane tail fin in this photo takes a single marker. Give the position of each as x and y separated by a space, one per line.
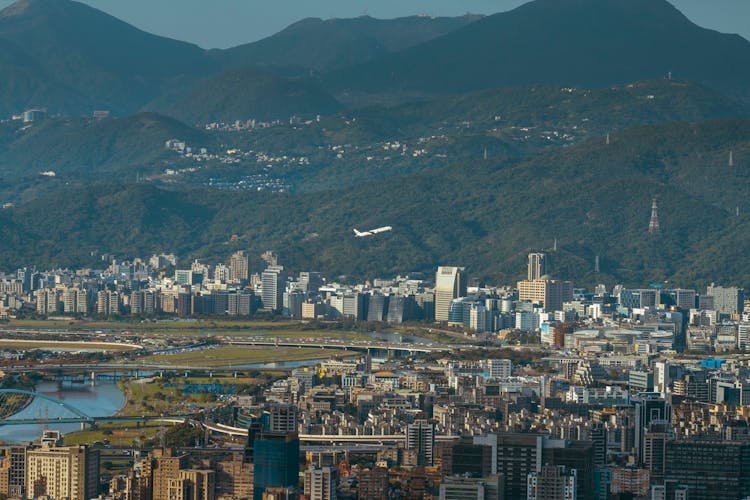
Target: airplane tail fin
357 233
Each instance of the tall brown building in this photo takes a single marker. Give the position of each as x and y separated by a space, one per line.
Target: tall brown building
546 292
192 484
70 472
239 267
373 484
163 466
234 477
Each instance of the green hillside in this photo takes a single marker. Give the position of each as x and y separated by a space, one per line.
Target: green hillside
594 198
505 122
88 150
250 93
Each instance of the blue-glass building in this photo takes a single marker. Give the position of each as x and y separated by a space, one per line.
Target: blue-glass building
276 459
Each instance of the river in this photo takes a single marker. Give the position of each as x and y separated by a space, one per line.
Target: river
102 400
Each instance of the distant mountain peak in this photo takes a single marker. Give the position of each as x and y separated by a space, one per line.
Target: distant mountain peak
25 7
18 8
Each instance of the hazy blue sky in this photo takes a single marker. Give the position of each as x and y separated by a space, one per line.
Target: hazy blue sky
225 23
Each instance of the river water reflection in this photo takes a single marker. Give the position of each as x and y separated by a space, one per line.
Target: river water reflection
101 400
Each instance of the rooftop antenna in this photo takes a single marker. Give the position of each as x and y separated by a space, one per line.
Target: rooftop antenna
596 264
554 245
607 138
731 158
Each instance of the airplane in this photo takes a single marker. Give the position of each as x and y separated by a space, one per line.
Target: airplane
371 232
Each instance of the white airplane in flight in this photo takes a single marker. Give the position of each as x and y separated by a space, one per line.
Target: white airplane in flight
371 232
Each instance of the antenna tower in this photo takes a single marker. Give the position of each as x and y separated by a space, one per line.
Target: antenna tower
653 224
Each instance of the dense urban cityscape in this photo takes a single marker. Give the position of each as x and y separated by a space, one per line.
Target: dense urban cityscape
452 255
532 390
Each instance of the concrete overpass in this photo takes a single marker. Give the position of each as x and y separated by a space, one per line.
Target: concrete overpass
323 439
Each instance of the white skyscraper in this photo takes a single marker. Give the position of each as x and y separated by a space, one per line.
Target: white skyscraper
450 283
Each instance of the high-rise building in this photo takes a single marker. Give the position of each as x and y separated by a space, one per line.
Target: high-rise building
184 305
276 460
75 300
727 300
537 266
575 456
684 299
272 290
469 488
108 303
13 472
373 484
320 483
270 258
293 300
654 448
649 407
70 472
499 368
162 466
310 281
552 483
639 299
711 470
221 273
450 283
282 417
188 277
239 267
234 477
630 480
545 292
469 459
48 301
377 307
192 484
420 436
517 456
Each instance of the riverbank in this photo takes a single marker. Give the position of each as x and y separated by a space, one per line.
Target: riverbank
68 346
228 356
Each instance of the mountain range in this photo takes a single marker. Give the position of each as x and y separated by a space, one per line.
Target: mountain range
477 138
73 59
586 43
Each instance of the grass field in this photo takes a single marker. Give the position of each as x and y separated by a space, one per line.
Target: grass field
118 326
115 434
207 328
165 396
232 355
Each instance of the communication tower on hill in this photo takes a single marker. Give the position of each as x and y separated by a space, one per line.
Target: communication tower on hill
653 224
